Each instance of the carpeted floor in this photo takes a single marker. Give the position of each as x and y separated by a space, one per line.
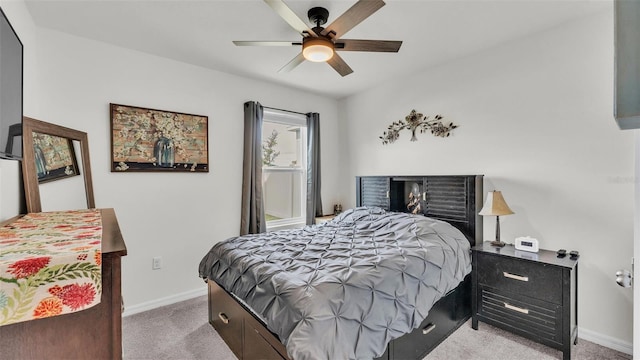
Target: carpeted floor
181 331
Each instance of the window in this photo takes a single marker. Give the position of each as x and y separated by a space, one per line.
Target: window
284 168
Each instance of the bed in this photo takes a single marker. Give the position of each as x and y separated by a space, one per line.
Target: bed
374 282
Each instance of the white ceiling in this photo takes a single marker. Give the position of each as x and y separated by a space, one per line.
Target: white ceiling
200 32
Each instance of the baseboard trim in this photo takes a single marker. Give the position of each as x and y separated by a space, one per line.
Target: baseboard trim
149 305
606 341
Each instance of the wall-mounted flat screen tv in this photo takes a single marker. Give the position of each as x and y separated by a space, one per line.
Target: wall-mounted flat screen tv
11 54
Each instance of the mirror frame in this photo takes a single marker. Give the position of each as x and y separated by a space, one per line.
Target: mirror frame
30 177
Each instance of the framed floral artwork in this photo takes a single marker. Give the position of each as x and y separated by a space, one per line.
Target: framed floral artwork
158 140
55 157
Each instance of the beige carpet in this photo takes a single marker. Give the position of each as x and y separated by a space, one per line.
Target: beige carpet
180 331
491 343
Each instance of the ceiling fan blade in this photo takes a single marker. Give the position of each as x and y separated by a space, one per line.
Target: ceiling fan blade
338 64
266 43
290 17
292 64
352 17
368 45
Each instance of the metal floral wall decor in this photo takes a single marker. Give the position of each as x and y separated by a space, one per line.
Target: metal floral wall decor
417 121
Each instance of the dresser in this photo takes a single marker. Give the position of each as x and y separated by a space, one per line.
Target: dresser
94 333
534 295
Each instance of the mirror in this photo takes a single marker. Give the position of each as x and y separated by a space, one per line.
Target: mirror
55 157
50 154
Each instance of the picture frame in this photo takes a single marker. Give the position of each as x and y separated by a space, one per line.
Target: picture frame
144 139
55 157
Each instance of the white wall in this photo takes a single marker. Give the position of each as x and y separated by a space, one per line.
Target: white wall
536 119
176 216
11 194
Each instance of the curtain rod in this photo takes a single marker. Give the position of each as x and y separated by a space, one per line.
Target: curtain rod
289 111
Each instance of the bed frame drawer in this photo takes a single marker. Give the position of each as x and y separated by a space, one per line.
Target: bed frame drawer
245 336
226 316
260 343
258 348
446 315
433 328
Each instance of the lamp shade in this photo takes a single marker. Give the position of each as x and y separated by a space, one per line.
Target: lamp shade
317 49
495 205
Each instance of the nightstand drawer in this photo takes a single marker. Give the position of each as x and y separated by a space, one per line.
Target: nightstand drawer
540 320
528 278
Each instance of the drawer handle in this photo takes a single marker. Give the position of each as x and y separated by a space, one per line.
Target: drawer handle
515 277
515 308
223 317
429 328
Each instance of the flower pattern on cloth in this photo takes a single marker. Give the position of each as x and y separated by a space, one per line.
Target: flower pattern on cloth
50 264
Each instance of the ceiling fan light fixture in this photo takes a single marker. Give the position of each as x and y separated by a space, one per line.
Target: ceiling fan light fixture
317 49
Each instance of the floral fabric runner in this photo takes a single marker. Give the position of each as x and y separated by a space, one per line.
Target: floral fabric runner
50 264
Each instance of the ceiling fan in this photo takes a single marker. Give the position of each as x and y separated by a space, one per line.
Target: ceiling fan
320 44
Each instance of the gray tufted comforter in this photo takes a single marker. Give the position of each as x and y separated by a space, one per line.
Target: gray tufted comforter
343 289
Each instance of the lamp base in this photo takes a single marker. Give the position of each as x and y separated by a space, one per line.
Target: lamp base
498 243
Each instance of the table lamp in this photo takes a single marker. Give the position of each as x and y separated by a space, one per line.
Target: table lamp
496 206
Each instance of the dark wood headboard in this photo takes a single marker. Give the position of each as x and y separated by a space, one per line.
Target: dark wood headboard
456 199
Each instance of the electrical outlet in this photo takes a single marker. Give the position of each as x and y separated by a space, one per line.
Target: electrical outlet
157 263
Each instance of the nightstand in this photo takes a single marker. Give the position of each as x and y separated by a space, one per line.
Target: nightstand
534 295
324 219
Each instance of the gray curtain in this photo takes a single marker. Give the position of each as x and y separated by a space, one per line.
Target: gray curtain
252 219
314 202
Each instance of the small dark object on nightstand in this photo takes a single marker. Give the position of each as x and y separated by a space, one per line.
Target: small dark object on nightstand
574 254
561 253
